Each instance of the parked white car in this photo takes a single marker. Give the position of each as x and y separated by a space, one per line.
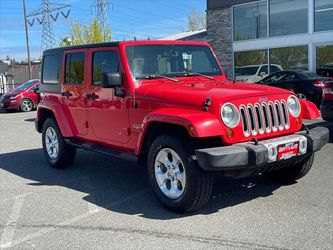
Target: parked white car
254 73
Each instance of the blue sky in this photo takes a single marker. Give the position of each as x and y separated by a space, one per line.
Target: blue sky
141 18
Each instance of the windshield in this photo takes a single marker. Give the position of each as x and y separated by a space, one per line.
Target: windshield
246 71
170 60
25 85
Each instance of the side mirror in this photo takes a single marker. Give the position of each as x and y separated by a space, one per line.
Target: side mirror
262 73
111 80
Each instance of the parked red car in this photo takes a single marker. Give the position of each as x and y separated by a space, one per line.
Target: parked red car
24 97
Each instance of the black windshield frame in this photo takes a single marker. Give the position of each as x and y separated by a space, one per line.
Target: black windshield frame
172 57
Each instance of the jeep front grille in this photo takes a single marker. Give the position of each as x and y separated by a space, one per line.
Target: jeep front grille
264 118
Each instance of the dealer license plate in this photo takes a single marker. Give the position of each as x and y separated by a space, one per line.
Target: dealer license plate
287 150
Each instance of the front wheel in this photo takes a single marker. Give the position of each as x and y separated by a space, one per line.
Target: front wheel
292 172
177 180
57 153
26 105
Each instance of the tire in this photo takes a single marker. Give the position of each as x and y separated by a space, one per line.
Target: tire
292 172
57 153
188 187
26 105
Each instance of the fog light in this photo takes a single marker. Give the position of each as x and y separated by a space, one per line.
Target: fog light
229 133
303 145
272 153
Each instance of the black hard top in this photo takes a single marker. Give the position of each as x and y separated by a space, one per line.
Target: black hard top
84 46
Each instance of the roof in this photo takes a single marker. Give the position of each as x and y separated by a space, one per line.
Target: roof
124 43
186 34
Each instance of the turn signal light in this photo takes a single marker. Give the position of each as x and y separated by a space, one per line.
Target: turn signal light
229 133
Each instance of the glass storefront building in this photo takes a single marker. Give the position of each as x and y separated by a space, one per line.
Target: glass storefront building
272 35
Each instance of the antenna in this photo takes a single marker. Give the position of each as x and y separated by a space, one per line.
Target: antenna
46 15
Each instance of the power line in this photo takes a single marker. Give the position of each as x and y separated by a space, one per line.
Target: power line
46 15
101 7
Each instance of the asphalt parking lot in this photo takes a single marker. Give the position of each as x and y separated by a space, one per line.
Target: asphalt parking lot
103 203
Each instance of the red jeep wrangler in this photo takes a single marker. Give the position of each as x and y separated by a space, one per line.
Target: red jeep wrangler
168 104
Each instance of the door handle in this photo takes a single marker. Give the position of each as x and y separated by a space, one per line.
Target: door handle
92 96
66 94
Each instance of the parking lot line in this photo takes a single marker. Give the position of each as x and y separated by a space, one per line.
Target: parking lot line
8 233
7 242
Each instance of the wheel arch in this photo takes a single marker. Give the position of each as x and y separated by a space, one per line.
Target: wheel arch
53 110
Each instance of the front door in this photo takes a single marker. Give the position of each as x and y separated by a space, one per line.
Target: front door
74 89
107 113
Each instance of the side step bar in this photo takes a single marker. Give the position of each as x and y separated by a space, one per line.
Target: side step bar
103 150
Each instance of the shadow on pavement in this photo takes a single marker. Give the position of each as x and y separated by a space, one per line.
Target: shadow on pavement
122 186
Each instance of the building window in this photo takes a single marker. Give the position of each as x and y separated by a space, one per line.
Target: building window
51 69
290 58
104 62
74 72
324 56
250 21
323 15
251 66
288 17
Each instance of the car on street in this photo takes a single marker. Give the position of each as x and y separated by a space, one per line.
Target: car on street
24 98
326 107
169 106
254 73
306 85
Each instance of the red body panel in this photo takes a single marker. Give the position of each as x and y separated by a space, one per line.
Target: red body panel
310 110
121 122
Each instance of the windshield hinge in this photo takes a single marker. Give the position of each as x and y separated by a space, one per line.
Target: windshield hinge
207 103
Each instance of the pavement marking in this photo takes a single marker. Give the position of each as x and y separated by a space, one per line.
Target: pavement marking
69 221
8 233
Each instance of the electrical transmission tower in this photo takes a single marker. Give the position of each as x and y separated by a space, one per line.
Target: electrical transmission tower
46 15
101 8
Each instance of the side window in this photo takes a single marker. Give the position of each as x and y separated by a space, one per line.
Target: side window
263 70
290 77
36 87
104 62
74 71
274 69
51 69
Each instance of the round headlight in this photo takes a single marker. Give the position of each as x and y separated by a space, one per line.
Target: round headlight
294 106
230 115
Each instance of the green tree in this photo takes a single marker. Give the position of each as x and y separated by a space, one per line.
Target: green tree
196 20
82 34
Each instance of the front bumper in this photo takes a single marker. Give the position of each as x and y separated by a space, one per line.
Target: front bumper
249 156
9 104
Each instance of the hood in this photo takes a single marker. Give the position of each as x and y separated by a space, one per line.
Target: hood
196 93
11 93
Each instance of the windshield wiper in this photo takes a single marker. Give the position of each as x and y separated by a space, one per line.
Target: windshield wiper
198 74
157 76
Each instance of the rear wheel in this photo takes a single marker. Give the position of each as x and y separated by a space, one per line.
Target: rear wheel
177 180
292 172
57 153
26 105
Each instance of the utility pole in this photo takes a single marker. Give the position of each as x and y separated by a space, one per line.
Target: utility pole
46 15
27 37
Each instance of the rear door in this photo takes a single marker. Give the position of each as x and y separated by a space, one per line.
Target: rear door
108 113
74 88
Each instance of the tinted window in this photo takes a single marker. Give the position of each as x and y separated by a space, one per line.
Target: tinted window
51 69
274 69
25 85
288 17
104 62
74 72
276 77
323 15
250 21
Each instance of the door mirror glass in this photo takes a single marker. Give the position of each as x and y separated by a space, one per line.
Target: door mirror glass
111 80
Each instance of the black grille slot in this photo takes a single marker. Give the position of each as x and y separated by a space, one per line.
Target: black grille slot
279 115
259 118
